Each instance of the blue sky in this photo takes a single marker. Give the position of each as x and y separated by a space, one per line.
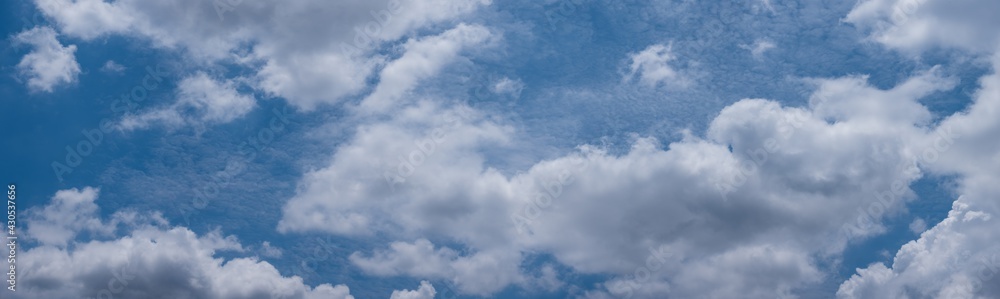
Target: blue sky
359 148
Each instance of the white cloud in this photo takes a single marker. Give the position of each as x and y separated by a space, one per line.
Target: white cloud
759 47
423 58
71 211
950 260
918 226
426 291
959 257
112 67
212 102
219 102
919 25
311 52
151 261
422 139
509 86
548 279
419 258
50 63
775 204
267 250
481 273
653 68
847 98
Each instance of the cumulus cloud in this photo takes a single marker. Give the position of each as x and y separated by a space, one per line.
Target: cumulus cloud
153 260
763 192
309 52
417 258
423 58
959 257
210 100
426 291
919 25
847 98
50 63
481 273
390 157
71 210
652 66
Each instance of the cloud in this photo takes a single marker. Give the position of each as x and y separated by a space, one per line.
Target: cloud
210 100
418 258
847 98
71 211
383 157
652 67
426 291
758 48
509 86
765 191
916 26
481 273
112 67
423 58
152 260
309 52
50 63
267 250
959 257
918 226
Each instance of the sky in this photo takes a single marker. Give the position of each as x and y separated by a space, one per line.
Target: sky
501 149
